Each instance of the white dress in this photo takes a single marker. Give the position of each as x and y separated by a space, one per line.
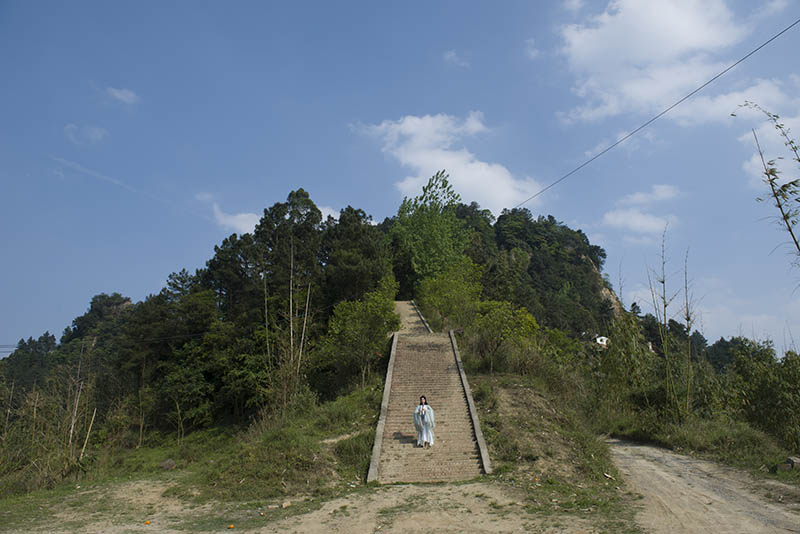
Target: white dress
424 423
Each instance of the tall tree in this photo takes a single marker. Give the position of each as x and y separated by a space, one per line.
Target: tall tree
355 255
429 228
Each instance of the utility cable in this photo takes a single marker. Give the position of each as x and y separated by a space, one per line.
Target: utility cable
670 108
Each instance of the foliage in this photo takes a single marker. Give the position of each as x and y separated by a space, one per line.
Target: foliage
428 228
548 452
785 194
498 328
551 270
358 332
450 299
355 255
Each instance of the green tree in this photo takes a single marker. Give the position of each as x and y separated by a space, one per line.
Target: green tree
451 298
429 229
498 328
29 364
357 332
355 255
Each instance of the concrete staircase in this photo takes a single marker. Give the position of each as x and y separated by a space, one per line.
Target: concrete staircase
425 364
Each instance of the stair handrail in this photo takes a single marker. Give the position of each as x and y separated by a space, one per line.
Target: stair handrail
375 460
473 412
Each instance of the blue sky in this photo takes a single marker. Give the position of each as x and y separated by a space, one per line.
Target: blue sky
135 137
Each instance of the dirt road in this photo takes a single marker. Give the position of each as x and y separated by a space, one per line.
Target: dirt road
687 495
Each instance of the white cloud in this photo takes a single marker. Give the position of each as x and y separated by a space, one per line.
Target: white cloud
328 211
430 143
658 193
573 5
632 143
453 58
723 312
530 49
641 295
636 220
733 317
772 144
700 108
643 56
126 96
773 7
241 223
84 135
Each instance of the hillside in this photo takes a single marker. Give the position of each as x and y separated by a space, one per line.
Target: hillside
548 480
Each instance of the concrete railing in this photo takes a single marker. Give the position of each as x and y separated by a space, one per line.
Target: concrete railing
473 411
424 321
375 461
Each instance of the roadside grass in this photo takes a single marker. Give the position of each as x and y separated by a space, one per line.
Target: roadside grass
722 439
549 453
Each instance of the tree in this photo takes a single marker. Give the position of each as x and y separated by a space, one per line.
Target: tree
101 307
28 365
451 298
499 326
429 228
564 287
357 332
355 255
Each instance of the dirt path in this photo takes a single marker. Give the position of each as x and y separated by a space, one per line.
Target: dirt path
481 507
687 495
475 508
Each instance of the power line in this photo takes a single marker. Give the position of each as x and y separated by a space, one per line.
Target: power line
670 108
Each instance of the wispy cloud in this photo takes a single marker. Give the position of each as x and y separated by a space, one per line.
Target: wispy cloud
637 220
633 214
530 49
429 143
77 167
80 169
241 222
126 96
453 58
573 5
658 193
631 144
84 135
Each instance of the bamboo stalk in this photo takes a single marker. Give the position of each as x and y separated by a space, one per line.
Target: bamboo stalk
302 337
8 410
74 418
85 441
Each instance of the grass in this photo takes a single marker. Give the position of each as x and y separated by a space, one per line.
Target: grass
721 439
550 454
292 456
230 476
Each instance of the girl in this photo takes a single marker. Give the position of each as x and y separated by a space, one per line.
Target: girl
424 422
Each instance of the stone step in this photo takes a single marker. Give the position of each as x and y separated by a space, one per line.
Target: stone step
424 364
